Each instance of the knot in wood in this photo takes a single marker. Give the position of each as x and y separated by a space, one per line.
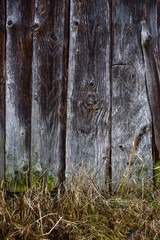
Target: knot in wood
91 86
35 27
146 37
10 22
53 41
91 100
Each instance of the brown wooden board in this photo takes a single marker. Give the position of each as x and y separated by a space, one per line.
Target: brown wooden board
18 93
2 87
50 36
88 109
131 115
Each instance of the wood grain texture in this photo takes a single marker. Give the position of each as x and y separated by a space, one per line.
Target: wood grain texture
49 70
18 92
154 28
2 87
152 80
131 116
88 124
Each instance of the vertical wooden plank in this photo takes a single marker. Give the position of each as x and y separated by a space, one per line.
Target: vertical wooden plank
2 87
88 109
50 31
18 93
151 53
131 116
149 39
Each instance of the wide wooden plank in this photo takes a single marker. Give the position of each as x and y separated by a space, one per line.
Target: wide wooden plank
131 115
50 35
2 86
18 93
88 109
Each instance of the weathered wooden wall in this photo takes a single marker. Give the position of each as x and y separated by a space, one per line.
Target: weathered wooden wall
79 89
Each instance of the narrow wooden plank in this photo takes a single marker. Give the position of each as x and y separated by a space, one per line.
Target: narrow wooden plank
2 87
50 31
18 93
131 116
151 51
154 24
88 109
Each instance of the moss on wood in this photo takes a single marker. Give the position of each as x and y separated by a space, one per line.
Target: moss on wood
157 173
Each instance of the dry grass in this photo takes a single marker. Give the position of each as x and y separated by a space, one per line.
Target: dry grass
80 214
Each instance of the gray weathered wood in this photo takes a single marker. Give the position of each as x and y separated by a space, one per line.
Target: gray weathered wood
18 93
131 116
49 69
152 80
153 23
2 86
113 98
88 109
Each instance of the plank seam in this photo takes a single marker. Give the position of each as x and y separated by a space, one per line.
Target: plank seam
5 5
110 80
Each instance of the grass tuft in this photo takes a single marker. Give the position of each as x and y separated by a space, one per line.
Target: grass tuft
80 213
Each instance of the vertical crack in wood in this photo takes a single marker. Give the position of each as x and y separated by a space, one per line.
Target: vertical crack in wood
109 163
4 94
64 97
31 92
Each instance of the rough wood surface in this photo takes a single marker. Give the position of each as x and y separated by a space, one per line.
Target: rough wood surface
2 86
18 92
131 116
49 69
152 81
153 24
88 109
79 89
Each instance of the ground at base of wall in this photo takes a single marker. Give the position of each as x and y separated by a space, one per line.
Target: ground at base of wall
77 213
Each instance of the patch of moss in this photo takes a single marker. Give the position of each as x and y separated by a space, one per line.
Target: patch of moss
41 177
50 183
17 181
156 173
37 176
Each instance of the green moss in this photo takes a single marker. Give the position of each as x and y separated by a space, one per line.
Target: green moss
50 182
37 176
17 181
156 173
41 177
